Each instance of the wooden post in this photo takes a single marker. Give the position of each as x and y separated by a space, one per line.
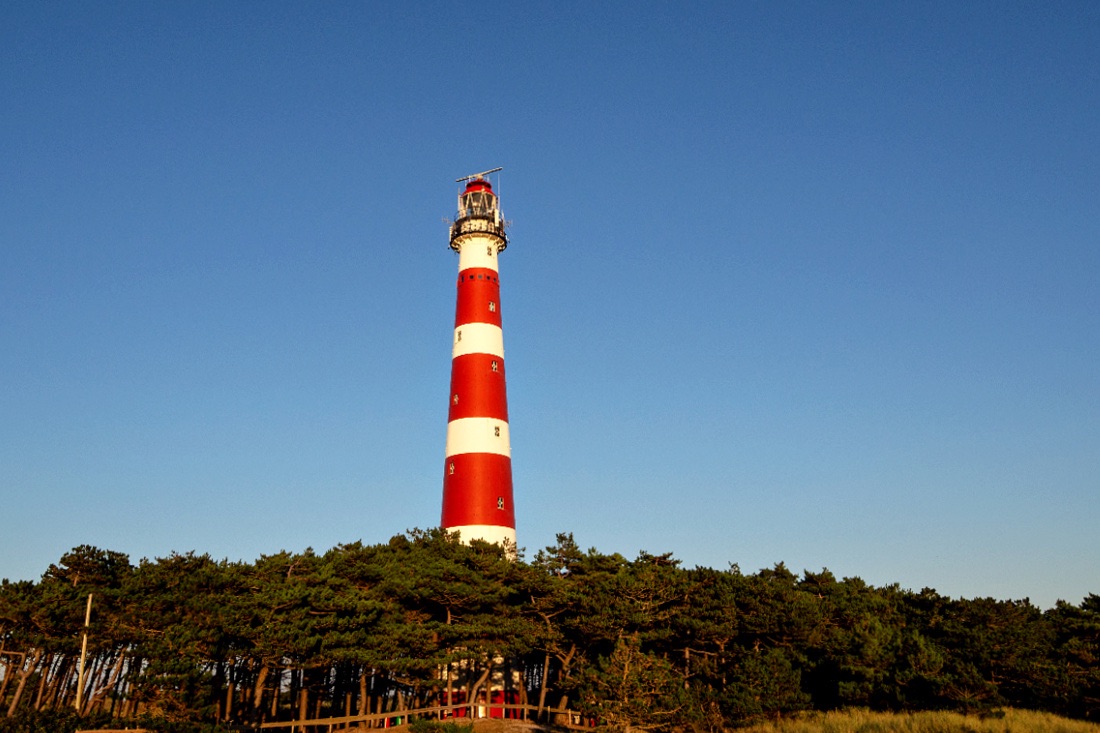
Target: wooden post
83 657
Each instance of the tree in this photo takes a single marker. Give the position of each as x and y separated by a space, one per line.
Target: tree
1076 656
634 689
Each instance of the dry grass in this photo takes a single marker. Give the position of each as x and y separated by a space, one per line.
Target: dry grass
849 721
863 721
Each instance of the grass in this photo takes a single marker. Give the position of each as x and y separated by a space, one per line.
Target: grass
863 721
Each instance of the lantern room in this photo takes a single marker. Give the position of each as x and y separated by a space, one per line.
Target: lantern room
478 200
478 213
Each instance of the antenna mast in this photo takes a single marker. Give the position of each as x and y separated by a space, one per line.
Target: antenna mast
478 175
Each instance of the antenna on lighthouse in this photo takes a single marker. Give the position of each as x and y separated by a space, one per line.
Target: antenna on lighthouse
474 176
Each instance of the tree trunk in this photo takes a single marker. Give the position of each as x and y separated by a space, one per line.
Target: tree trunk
523 699
46 674
258 693
566 670
295 689
471 698
229 687
107 686
7 677
125 688
278 687
66 682
543 687
450 690
24 674
98 667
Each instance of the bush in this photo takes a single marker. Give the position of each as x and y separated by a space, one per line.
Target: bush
423 725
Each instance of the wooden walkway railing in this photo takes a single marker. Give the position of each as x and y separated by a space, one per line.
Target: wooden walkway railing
474 711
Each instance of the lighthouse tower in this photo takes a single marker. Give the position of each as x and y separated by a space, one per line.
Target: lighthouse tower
477 475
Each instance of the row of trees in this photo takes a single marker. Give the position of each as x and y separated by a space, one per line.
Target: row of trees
364 629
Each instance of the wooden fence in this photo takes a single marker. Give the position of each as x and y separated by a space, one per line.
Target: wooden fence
474 711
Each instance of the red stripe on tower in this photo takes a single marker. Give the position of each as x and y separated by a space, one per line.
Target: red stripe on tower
477 476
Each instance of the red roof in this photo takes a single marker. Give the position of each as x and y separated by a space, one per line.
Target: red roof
478 184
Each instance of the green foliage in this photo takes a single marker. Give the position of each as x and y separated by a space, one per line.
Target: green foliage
46 721
634 689
644 643
423 725
67 721
1077 651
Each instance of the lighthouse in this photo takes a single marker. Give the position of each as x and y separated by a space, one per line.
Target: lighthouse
477 474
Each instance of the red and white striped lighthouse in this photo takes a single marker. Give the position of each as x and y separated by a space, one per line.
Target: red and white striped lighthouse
477 476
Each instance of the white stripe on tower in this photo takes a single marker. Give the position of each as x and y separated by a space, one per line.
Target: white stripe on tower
478 338
478 435
483 256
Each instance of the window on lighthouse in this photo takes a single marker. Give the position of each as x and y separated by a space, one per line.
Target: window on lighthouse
495 366
492 307
500 502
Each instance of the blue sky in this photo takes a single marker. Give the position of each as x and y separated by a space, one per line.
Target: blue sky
800 282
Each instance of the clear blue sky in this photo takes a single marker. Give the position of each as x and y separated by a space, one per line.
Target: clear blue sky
805 282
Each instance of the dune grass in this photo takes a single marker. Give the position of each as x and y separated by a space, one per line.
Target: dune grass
863 721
